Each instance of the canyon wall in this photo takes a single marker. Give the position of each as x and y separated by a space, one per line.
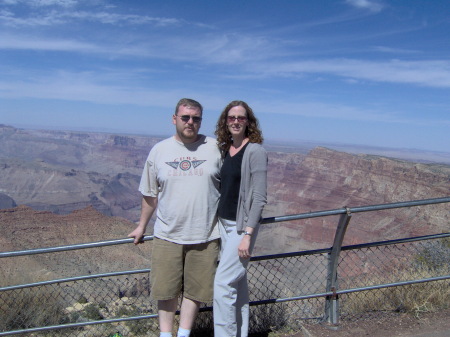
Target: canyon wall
326 180
61 172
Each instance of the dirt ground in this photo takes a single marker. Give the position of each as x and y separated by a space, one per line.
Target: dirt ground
383 325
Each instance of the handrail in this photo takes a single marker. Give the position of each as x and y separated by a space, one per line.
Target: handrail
76 278
253 258
71 247
359 209
339 211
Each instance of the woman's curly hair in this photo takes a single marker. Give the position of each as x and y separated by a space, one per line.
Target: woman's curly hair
253 132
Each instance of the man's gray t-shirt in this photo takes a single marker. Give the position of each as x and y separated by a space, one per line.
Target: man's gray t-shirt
185 178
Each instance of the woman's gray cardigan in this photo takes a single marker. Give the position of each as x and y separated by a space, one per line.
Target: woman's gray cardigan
253 189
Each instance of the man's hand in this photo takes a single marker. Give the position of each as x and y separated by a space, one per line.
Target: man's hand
137 234
149 205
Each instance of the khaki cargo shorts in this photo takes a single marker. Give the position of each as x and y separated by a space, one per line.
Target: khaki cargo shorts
187 268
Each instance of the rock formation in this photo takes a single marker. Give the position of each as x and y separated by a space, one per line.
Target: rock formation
63 172
326 179
6 201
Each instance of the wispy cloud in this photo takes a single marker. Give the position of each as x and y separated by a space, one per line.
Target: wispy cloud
345 112
209 48
118 88
18 42
10 2
59 12
397 51
424 73
114 18
87 87
43 3
251 57
372 6
55 17
8 19
62 3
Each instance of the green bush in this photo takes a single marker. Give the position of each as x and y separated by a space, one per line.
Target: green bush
82 300
91 311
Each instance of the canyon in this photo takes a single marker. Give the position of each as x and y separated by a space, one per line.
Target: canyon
63 187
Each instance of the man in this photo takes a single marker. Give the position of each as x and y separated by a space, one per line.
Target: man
181 182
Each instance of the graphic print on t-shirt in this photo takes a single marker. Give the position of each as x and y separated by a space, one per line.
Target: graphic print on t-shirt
185 165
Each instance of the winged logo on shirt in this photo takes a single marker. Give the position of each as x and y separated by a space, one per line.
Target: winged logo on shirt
185 164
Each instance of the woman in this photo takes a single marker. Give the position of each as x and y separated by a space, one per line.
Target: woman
243 195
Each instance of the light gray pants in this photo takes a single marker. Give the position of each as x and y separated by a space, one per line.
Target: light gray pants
231 309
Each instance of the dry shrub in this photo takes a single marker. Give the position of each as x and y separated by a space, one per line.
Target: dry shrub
435 254
27 308
415 298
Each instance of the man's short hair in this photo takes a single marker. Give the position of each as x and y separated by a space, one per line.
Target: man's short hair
189 103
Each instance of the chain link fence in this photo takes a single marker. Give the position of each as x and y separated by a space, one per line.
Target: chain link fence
285 291
274 281
391 264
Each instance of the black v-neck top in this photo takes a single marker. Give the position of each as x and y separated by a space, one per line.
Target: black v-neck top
230 181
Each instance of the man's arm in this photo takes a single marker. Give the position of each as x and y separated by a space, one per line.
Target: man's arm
148 206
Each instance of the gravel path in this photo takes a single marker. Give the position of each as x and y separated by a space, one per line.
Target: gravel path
384 325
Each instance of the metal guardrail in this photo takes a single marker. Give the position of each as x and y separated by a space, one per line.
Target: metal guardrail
268 220
280 265
74 279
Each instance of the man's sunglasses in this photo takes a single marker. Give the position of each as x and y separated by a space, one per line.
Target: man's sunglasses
186 118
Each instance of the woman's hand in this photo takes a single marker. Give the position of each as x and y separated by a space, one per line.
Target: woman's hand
244 247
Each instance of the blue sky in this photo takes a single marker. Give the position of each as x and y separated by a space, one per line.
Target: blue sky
367 72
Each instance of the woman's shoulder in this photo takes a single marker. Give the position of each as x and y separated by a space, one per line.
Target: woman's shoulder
256 153
255 147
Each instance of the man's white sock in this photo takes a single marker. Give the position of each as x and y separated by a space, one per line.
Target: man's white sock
183 332
165 334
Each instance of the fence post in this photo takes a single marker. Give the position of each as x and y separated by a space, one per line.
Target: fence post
331 302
